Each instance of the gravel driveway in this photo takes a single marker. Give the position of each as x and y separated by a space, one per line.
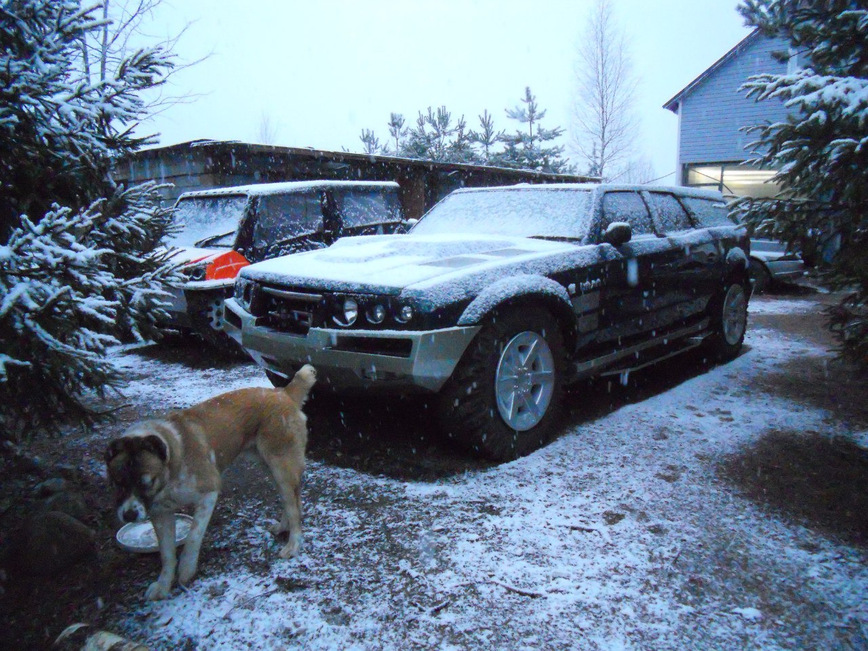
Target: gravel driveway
669 514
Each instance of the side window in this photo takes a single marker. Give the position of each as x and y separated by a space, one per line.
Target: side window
708 212
670 214
627 207
364 207
282 217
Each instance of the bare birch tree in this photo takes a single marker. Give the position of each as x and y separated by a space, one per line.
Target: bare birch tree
605 124
639 170
121 30
268 130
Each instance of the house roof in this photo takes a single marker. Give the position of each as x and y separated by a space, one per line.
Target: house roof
673 103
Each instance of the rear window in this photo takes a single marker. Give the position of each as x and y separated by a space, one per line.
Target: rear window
282 217
363 208
627 207
670 214
708 212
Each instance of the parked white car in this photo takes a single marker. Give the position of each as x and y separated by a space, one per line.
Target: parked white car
225 229
771 263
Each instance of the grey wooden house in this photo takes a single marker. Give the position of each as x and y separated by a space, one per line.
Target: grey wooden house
711 112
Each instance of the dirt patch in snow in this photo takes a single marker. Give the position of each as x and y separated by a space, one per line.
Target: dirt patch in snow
817 481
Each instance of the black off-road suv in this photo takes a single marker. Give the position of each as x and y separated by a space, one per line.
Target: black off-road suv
498 297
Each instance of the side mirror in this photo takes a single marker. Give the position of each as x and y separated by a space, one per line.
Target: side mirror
618 233
406 225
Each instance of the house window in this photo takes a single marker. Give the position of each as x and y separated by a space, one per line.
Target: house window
732 179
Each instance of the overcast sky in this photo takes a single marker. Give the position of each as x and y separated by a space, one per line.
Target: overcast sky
323 70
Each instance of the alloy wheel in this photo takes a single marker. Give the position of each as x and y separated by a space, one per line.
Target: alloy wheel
524 381
734 314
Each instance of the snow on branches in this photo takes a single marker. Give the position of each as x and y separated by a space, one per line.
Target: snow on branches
66 299
821 151
80 267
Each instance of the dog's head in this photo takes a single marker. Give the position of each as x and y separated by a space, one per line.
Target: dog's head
138 470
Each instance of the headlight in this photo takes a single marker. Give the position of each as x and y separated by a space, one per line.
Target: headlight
350 312
404 314
244 292
376 313
240 285
194 271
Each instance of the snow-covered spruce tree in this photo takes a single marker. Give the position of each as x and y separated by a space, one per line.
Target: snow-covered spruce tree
821 151
486 139
370 143
78 267
525 149
435 137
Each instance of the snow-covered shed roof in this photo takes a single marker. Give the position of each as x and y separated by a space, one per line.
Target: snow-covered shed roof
261 189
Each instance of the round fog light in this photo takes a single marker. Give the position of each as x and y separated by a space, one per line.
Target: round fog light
377 314
405 314
351 311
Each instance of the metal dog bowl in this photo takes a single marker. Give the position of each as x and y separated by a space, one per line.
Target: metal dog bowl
140 537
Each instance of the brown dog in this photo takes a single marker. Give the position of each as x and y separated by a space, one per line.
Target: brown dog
160 465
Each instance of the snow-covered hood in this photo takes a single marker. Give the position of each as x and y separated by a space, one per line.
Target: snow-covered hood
209 268
185 254
391 263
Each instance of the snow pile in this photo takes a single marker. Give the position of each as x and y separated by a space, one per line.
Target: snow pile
763 305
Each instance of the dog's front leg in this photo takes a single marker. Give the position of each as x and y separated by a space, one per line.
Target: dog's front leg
190 555
164 527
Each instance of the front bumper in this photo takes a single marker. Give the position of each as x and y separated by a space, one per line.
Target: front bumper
184 299
349 359
176 309
781 269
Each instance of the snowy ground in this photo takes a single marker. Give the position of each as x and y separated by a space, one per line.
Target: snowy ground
619 535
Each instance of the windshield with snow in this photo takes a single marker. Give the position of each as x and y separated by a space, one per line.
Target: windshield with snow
522 212
204 220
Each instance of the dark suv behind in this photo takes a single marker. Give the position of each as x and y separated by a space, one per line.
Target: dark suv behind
225 229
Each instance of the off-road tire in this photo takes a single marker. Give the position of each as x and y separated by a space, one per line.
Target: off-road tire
728 312
467 404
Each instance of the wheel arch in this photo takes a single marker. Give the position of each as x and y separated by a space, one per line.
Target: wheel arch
524 290
737 265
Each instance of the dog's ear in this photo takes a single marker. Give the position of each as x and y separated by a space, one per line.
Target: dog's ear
114 449
155 445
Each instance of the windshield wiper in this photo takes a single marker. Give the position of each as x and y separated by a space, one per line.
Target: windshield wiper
213 238
369 224
554 238
301 236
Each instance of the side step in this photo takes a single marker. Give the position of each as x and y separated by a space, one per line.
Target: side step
683 340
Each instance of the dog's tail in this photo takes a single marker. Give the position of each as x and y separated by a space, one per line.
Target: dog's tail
304 379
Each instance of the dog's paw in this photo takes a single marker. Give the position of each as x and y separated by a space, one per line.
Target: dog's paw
157 591
277 528
291 548
187 567
186 570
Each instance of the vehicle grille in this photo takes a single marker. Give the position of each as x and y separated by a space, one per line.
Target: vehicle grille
388 347
284 310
